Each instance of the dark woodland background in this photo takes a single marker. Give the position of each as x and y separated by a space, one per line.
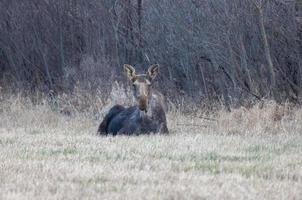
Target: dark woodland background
229 51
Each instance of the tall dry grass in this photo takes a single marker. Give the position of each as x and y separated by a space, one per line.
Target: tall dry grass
266 117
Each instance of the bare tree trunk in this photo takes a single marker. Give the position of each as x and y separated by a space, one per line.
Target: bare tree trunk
299 36
247 76
140 44
267 51
61 40
233 63
129 30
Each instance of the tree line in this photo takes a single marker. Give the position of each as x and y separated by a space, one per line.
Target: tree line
228 51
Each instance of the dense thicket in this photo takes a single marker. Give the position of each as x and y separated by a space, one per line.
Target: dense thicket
215 50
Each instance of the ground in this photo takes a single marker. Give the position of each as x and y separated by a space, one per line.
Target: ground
245 154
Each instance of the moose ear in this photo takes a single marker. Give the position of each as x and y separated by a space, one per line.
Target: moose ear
153 71
130 71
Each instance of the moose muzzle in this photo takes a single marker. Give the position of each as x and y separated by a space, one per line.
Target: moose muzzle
143 103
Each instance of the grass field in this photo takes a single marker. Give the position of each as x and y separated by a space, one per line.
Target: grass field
246 154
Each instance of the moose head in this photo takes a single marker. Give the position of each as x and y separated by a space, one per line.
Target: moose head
142 84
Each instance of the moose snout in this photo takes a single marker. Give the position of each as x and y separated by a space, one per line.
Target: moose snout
142 103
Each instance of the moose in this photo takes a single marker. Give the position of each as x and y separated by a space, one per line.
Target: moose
148 116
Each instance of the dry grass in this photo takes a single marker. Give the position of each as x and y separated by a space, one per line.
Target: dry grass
53 153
